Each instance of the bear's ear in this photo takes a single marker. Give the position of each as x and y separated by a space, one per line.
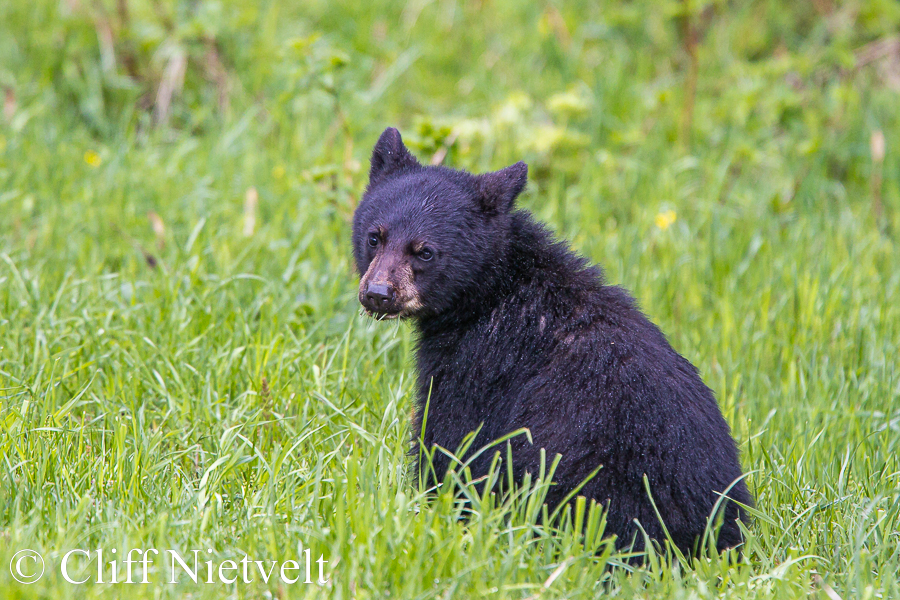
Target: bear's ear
389 155
499 189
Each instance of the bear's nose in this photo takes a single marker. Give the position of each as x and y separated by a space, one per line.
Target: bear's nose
379 296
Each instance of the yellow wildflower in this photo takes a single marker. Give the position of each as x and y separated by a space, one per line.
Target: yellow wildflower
665 219
278 172
92 158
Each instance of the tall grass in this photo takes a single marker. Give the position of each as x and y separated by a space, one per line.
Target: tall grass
182 360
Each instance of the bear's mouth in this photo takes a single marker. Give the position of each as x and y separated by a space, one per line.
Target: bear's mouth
383 316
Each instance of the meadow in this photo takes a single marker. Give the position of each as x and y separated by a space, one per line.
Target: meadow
183 362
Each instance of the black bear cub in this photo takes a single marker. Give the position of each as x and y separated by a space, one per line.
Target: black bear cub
515 330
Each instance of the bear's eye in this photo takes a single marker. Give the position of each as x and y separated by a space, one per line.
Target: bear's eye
373 240
426 254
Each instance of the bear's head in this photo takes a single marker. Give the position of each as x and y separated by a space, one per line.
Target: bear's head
427 238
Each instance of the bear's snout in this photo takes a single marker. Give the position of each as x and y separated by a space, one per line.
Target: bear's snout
386 290
379 298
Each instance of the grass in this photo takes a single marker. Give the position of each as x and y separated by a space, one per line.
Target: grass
182 367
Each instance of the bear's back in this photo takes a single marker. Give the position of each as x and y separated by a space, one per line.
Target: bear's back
575 362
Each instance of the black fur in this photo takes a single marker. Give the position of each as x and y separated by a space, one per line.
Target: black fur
515 330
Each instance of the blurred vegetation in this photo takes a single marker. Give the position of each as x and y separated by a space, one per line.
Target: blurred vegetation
181 358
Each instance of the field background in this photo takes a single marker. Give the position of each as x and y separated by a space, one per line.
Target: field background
182 359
